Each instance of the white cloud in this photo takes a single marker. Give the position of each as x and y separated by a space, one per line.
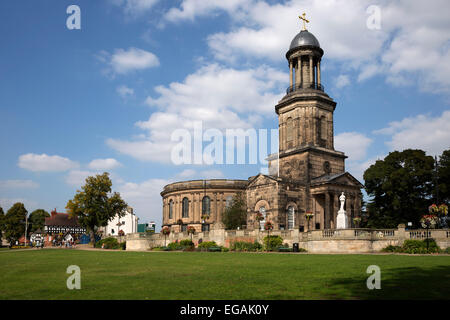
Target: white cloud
219 97
354 144
425 132
104 164
126 61
135 7
18 184
78 177
342 81
124 91
45 163
357 168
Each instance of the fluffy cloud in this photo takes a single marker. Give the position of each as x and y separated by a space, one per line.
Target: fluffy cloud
77 177
355 144
45 163
126 61
218 97
342 81
431 134
104 164
18 184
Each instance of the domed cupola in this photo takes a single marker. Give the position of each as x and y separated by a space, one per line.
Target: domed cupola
304 56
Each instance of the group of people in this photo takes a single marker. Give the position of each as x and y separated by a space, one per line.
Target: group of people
64 243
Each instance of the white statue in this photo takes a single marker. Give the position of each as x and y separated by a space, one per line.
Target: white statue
342 220
342 199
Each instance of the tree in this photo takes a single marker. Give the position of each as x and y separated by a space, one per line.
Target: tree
37 219
2 221
236 214
95 205
400 188
14 222
444 177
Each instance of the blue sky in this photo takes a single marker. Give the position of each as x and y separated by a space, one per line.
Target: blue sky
107 97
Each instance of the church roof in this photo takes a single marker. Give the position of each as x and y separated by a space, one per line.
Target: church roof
330 178
304 38
61 219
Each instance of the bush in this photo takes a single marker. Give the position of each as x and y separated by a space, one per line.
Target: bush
225 249
246 246
123 245
447 251
272 242
108 243
204 246
215 249
415 247
186 243
174 246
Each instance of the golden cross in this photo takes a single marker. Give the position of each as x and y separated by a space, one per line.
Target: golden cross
305 21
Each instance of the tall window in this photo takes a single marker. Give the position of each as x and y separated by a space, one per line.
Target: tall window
291 212
206 205
323 128
289 129
185 208
262 210
171 209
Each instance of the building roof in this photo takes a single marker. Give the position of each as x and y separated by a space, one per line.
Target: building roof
61 219
304 38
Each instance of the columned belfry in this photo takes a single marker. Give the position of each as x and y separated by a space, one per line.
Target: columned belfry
307 175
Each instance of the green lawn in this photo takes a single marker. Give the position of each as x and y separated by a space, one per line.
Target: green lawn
200 275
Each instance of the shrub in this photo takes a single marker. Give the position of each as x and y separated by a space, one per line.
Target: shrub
272 242
246 246
123 245
174 246
109 243
204 246
214 249
225 249
415 247
447 251
186 243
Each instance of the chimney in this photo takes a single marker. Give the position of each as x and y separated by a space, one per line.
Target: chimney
54 213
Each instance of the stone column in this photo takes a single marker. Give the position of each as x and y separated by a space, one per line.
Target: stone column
326 211
290 73
298 71
216 209
335 208
311 70
318 72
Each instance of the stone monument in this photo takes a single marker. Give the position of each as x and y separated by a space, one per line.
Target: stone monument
342 220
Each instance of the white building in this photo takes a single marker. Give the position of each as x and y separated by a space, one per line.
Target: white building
128 223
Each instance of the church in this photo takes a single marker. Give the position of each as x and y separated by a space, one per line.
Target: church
305 178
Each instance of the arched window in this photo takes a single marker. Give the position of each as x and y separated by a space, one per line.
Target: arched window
262 210
291 221
171 209
185 208
229 201
206 205
289 129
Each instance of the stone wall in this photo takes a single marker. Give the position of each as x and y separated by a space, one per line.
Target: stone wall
317 241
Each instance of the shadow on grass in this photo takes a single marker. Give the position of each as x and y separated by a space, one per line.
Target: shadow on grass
401 283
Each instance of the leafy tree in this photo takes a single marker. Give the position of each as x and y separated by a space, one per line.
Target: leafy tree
444 177
2 221
95 205
236 214
14 222
37 219
400 187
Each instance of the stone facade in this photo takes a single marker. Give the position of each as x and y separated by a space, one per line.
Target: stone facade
305 177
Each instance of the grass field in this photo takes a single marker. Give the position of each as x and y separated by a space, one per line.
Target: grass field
200 275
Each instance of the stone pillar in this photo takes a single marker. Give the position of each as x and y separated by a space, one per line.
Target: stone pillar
326 212
335 208
290 73
298 71
318 72
311 70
